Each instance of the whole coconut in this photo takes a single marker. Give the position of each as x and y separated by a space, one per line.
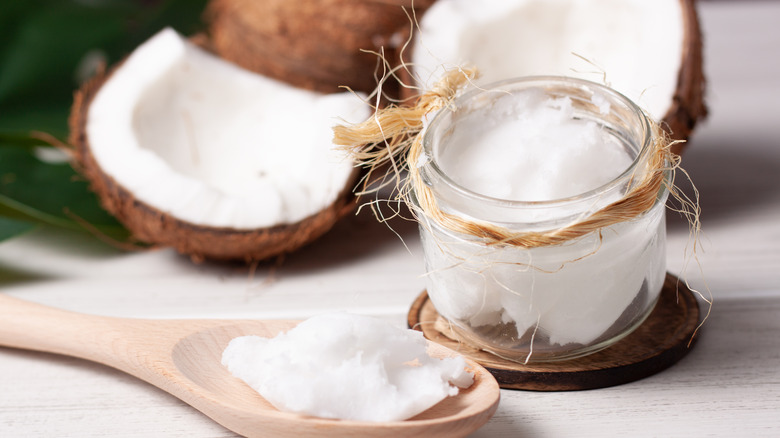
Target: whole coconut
316 44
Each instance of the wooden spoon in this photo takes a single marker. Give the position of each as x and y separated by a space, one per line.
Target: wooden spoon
183 357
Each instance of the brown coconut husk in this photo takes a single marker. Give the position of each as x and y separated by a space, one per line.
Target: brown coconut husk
320 45
151 225
688 104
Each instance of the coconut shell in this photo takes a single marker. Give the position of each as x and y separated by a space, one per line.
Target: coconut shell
315 44
687 106
151 225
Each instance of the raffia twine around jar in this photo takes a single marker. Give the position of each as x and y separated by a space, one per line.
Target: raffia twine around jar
395 135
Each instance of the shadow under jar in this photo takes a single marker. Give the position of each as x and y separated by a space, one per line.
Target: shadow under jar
548 302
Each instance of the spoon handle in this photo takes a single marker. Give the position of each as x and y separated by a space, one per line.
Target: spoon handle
107 340
37 327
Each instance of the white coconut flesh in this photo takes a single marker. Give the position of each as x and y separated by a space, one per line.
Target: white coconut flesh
214 145
634 46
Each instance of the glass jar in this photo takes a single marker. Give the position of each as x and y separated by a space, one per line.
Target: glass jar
551 302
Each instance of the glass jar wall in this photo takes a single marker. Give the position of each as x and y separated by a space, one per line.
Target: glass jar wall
549 302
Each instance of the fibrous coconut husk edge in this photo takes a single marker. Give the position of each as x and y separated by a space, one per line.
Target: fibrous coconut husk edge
688 104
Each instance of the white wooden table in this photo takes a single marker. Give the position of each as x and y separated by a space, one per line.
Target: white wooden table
729 384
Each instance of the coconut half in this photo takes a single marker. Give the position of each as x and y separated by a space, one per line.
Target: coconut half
190 151
648 50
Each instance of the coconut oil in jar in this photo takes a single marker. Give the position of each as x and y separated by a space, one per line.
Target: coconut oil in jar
535 156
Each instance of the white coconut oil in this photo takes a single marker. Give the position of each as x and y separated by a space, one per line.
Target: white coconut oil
346 366
537 155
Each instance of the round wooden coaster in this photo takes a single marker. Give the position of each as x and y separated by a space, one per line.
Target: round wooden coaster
663 339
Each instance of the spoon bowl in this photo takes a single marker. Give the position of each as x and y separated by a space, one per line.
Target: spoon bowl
183 357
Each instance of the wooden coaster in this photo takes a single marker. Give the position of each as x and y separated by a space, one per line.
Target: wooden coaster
664 338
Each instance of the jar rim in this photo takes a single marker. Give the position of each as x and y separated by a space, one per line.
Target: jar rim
644 147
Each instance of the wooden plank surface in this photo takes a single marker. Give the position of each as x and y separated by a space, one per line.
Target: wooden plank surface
729 385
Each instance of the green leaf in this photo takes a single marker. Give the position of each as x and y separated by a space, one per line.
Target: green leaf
46 117
49 193
44 43
11 228
19 140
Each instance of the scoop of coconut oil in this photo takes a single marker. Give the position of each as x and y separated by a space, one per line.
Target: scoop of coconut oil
531 147
347 367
